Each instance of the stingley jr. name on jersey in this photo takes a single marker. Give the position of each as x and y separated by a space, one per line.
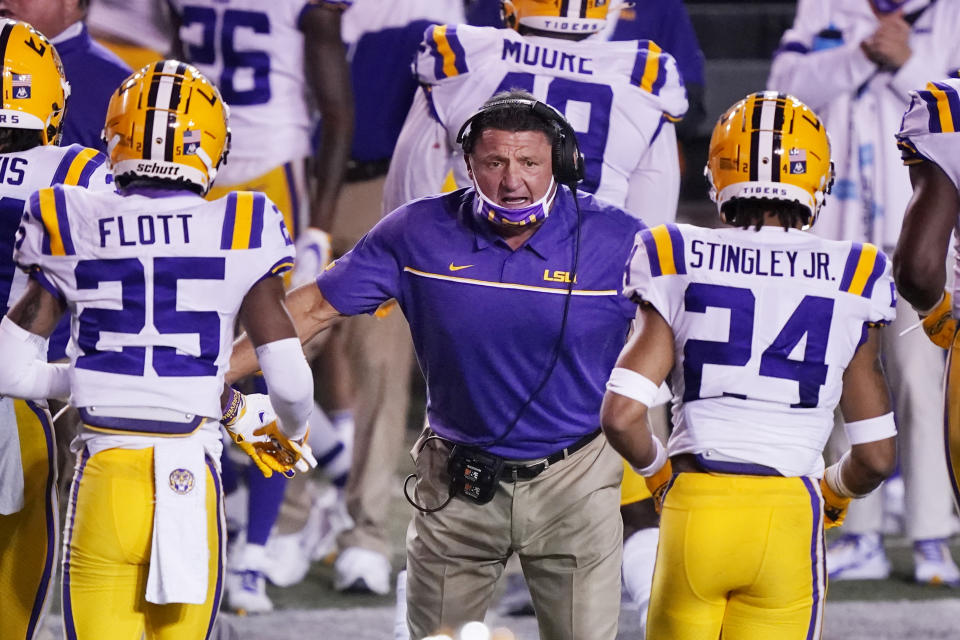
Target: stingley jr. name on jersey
765 323
155 284
616 95
22 173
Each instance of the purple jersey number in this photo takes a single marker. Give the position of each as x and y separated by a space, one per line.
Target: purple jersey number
131 317
811 319
258 62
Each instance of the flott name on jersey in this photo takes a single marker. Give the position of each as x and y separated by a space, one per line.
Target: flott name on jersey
149 229
781 263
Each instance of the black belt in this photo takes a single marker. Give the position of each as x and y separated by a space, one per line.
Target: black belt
512 472
360 170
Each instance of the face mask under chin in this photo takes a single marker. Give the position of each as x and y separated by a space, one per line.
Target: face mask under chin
502 216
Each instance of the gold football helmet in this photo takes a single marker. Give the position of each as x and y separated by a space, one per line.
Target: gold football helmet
770 145
167 122
562 16
35 90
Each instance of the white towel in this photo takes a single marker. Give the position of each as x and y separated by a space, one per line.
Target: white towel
179 558
11 467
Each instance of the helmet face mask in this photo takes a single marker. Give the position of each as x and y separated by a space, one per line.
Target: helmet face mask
35 91
770 146
560 16
168 123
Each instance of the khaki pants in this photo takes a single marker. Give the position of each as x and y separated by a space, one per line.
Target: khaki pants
380 353
564 525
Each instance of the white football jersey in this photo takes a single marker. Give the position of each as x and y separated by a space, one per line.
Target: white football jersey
253 50
22 173
765 324
931 131
153 285
617 96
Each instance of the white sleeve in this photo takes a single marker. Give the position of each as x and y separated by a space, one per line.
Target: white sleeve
654 185
798 69
420 159
289 384
25 372
652 274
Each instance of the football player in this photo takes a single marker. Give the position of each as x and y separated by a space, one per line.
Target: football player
275 62
928 142
622 99
31 121
760 328
153 277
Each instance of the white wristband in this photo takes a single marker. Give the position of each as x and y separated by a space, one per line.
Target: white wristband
833 476
659 459
633 385
871 429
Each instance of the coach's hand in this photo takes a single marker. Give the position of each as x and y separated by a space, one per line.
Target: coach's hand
834 506
939 323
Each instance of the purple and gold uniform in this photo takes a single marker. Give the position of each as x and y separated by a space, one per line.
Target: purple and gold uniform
930 132
253 51
28 505
154 280
765 323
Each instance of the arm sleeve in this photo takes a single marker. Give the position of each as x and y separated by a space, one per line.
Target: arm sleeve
929 130
654 185
32 246
26 372
883 297
289 384
651 271
798 64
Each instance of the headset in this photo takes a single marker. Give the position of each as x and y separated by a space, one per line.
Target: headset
568 162
473 472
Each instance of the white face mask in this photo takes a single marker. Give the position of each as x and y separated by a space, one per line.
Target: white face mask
488 210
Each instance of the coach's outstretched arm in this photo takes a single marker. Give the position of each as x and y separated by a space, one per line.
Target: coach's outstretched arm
311 313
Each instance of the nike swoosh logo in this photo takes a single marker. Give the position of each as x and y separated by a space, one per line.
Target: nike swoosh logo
454 267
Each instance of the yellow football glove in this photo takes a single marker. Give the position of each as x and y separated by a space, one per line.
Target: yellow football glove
939 323
243 415
834 506
281 453
657 484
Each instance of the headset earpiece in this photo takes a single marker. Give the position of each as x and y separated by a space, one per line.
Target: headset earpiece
568 163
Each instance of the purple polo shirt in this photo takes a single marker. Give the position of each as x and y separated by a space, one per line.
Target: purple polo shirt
485 319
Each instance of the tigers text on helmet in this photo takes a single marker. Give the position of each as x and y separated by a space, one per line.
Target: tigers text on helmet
770 146
561 16
35 90
167 122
